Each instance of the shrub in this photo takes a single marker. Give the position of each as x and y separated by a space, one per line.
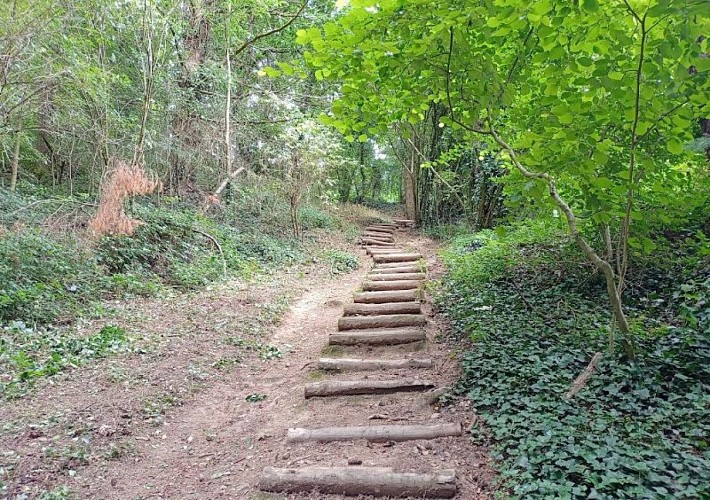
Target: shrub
313 217
341 262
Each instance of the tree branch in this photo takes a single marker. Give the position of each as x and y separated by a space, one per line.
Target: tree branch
266 34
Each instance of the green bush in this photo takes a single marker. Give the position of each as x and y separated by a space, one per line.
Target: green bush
341 261
313 217
537 317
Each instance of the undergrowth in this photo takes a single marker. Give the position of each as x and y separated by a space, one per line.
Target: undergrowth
52 273
536 314
27 354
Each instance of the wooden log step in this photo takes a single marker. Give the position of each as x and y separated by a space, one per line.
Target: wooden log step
394 265
374 433
397 270
395 276
381 286
356 481
376 309
370 241
378 336
389 296
371 236
385 233
355 387
380 321
394 249
382 251
356 365
402 221
377 238
398 257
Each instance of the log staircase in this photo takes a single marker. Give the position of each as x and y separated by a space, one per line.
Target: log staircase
385 312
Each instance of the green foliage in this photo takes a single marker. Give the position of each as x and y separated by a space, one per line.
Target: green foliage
28 354
313 217
255 398
58 493
488 255
447 232
586 106
43 279
341 261
50 278
635 431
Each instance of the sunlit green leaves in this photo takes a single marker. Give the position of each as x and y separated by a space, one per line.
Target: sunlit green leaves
560 82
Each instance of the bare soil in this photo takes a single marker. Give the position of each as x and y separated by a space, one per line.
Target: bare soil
180 420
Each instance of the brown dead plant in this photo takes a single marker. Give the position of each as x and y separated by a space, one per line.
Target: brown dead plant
124 181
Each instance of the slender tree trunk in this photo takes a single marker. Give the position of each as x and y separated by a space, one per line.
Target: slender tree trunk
15 161
228 105
603 265
148 81
410 190
186 123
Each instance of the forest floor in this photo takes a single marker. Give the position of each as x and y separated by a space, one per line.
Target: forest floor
195 411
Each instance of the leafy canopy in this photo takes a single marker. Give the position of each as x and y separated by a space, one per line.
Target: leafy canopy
574 89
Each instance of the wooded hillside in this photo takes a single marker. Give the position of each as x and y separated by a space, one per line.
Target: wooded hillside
558 153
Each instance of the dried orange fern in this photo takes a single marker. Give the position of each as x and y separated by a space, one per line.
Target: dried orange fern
125 181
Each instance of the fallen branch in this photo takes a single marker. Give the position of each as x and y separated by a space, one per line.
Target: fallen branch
216 244
581 381
231 176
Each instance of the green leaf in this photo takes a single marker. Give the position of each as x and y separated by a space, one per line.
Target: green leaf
675 146
590 6
271 72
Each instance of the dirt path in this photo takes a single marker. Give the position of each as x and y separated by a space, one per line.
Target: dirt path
214 443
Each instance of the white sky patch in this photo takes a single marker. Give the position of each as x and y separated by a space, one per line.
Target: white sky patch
341 4
379 154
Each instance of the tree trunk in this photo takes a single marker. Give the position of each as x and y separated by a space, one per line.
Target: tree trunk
228 104
15 161
185 124
410 193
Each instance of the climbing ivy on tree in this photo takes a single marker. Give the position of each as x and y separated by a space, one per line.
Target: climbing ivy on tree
590 103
